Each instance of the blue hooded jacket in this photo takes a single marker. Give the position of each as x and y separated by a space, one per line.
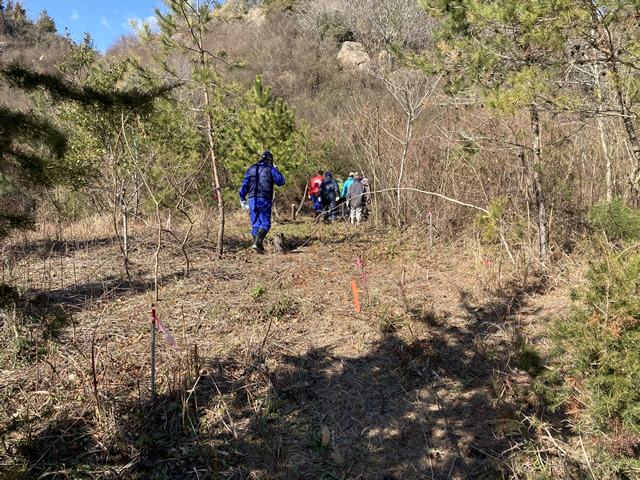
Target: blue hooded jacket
345 187
259 180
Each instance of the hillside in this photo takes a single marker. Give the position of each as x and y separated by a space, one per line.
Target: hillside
278 376
505 133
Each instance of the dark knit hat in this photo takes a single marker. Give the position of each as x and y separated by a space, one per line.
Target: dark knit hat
328 174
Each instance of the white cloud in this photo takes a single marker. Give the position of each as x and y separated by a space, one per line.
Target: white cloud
75 15
151 20
105 22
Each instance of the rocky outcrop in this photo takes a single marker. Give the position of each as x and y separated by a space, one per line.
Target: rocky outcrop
353 55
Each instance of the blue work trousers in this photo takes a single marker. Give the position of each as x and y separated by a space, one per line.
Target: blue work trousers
330 209
317 204
260 213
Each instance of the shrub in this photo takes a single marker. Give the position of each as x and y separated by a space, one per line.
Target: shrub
616 220
333 25
598 348
29 327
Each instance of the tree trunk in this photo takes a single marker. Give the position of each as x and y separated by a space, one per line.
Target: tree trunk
629 128
407 139
216 177
120 207
279 244
125 236
197 36
543 229
156 256
603 139
605 44
605 150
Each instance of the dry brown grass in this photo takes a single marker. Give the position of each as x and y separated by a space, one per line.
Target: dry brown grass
278 376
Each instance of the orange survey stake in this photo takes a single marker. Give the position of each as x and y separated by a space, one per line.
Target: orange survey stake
355 295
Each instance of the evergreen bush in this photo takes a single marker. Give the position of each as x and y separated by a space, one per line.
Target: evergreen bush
598 344
334 25
616 220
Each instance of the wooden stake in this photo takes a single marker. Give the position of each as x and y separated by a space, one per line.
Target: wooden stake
430 229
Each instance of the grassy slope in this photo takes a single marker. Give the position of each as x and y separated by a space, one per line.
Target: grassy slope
279 376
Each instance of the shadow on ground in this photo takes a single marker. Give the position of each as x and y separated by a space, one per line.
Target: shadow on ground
397 409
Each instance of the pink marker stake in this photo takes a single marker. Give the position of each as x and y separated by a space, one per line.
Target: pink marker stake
167 335
486 262
364 275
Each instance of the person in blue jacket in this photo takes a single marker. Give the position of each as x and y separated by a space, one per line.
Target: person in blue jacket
258 186
347 184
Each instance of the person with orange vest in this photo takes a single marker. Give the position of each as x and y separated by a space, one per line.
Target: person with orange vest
313 193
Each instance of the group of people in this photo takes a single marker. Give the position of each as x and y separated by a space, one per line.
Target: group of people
256 195
330 196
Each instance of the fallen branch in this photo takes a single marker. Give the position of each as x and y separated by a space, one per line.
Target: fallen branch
409 189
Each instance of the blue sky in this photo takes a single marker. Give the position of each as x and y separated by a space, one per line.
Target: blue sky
105 20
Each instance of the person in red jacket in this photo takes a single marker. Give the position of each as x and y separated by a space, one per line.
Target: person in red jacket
314 186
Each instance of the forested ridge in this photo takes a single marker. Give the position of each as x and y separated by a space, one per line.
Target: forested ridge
498 319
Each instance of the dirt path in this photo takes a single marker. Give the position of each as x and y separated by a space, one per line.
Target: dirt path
290 381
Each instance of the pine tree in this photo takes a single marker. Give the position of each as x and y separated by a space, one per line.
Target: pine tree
601 42
34 153
508 51
182 31
560 56
30 149
45 23
264 124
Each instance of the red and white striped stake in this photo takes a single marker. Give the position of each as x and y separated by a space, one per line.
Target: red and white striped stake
153 353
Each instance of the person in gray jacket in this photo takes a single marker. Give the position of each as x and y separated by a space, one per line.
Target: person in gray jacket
356 199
